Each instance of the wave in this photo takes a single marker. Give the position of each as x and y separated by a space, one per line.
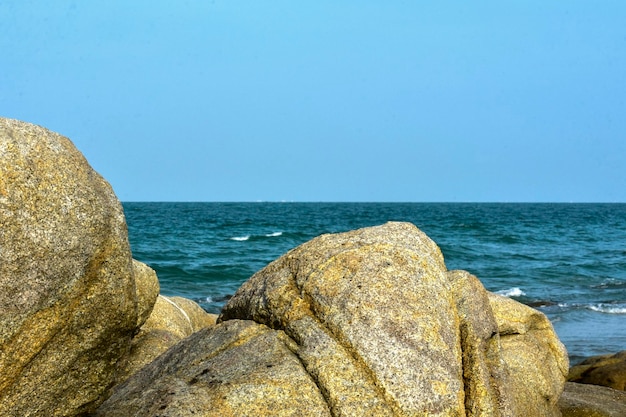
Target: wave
610 283
247 237
511 292
607 308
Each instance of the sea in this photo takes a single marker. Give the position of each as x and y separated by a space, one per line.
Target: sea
566 260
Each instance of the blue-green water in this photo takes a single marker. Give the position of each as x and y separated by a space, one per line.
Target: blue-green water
569 258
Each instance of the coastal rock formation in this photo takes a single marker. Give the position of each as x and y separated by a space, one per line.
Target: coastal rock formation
583 400
172 319
606 370
486 378
367 322
238 368
537 361
68 306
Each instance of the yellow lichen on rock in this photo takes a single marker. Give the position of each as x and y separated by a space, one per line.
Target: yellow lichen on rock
68 307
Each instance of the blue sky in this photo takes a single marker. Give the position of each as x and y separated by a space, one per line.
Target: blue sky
328 100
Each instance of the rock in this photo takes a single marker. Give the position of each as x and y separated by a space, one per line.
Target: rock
147 289
68 307
536 359
373 314
196 315
239 368
367 322
487 382
583 400
172 320
605 370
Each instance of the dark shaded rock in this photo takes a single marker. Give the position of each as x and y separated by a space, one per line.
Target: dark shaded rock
540 303
605 370
583 400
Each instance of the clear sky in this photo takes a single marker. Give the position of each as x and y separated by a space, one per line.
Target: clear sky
328 100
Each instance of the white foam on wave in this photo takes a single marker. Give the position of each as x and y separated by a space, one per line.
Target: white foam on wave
274 234
610 283
511 292
240 238
604 308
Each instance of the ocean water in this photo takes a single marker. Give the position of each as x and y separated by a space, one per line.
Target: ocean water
567 260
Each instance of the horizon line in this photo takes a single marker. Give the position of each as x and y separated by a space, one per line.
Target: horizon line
366 202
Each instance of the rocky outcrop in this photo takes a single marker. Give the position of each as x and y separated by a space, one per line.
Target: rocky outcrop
535 358
367 322
68 306
605 370
583 400
172 319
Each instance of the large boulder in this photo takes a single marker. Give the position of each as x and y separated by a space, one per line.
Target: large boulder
374 318
367 322
68 306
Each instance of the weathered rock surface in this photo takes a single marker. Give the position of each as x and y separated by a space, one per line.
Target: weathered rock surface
68 307
196 315
487 381
367 322
171 320
583 400
236 369
147 289
605 370
537 361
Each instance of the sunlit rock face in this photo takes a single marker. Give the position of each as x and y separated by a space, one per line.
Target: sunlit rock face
367 322
68 307
172 319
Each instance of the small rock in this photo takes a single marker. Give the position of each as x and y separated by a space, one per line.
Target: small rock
583 400
147 289
605 370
